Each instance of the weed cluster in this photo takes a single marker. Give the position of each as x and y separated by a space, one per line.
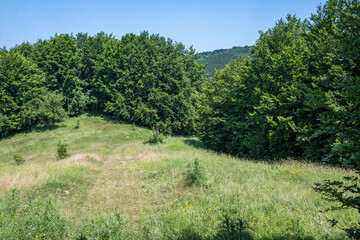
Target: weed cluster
195 174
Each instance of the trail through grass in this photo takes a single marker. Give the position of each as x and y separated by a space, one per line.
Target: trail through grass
116 186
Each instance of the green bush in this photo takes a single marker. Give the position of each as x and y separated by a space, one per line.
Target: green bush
195 175
77 124
62 150
18 159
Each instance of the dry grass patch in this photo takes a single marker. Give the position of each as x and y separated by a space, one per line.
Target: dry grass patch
24 176
83 159
117 188
18 180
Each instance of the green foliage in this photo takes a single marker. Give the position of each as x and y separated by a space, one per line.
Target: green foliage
341 100
50 108
77 124
145 79
195 174
133 127
60 60
217 59
90 48
297 97
21 85
149 80
30 218
219 114
18 159
62 150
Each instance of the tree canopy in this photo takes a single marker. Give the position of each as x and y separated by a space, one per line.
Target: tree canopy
144 79
297 97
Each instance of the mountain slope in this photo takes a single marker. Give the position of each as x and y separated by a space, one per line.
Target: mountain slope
217 59
113 186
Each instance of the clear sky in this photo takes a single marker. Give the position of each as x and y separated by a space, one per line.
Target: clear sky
205 24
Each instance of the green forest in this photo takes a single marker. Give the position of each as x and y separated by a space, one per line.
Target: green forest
217 59
295 94
143 79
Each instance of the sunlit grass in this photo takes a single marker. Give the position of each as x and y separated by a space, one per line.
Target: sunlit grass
111 171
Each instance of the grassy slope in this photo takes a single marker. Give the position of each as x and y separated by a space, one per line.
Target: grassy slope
111 170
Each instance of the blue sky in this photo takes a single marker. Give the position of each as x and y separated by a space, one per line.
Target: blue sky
207 25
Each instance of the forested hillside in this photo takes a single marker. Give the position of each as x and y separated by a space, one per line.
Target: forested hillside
217 59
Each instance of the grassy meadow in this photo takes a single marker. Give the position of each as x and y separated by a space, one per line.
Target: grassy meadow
113 186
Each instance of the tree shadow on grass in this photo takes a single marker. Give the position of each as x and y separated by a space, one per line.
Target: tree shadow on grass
281 237
107 117
44 128
200 145
36 128
195 143
190 234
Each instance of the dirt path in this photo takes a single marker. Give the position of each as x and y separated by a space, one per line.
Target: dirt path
117 188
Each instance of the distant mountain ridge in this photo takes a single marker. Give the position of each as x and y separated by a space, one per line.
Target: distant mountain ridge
217 59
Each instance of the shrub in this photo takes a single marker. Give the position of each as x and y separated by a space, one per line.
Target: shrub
133 127
195 174
18 159
156 138
77 124
62 150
